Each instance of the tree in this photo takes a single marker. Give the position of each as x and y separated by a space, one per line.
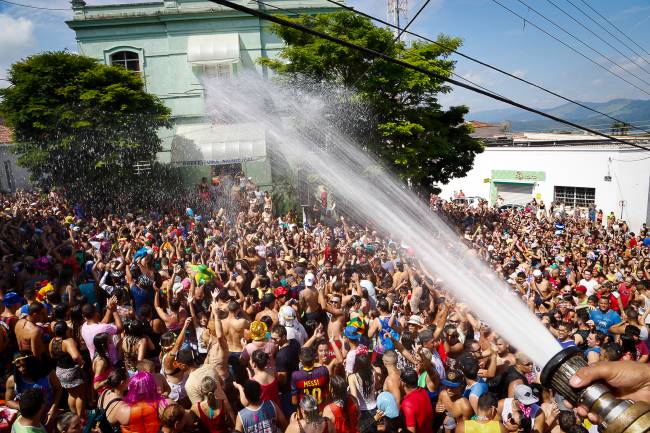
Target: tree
619 128
80 125
412 134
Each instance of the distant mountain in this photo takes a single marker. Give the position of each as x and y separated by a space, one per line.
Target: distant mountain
627 110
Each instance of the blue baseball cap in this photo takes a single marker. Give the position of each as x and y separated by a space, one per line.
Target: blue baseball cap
12 298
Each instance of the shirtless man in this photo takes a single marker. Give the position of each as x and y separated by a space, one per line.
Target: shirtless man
392 382
504 357
269 308
309 304
28 334
451 400
233 328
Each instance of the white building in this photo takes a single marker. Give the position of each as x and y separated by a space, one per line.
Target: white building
576 170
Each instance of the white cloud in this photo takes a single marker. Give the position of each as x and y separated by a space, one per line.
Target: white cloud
17 36
521 73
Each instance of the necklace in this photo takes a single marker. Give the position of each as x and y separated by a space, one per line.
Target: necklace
482 418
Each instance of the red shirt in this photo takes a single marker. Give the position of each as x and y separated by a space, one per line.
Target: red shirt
418 411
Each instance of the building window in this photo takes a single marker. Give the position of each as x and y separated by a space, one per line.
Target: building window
220 70
574 196
129 60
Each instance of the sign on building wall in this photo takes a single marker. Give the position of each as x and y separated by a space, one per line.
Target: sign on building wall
534 176
513 176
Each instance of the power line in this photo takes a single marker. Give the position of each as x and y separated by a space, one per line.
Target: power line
641 56
580 41
487 65
34 7
598 36
376 54
613 25
395 39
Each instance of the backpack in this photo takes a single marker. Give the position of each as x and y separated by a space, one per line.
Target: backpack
97 417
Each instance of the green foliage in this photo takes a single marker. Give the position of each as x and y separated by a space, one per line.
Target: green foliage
413 135
81 125
620 128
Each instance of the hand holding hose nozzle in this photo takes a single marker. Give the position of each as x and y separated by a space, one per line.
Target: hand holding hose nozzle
591 389
628 380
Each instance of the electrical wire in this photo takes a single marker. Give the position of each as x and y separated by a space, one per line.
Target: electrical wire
607 31
33 7
402 31
613 25
577 39
376 54
596 35
482 63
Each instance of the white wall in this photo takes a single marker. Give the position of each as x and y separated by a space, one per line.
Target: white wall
570 166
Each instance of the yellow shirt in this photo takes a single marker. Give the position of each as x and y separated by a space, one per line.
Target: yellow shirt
477 427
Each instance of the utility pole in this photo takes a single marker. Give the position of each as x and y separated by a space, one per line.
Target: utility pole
395 11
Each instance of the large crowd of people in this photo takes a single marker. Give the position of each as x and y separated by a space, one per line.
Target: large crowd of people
234 317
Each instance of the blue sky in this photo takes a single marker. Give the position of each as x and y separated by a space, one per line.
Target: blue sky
489 32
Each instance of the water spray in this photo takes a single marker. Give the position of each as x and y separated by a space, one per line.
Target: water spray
619 416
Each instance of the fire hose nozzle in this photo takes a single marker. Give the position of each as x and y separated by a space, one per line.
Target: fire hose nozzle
619 416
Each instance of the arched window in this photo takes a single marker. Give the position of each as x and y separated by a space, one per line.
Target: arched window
129 60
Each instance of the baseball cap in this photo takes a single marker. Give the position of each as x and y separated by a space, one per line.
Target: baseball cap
12 298
287 313
524 394
309 279
537 273
351 332
258 330
453 379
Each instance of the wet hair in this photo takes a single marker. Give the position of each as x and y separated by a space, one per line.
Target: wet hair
267 320
309 409
260 359
35 308
307 356
469 366
60 329
116 377
167 339
31 401
142 388
208 388
566 420
425 335
280 330
383 305
408 340
390 357
612 351
339 388
409 377
487 401
60 311
101 344
64 421
134 328
171 415
252 391
88 311
363 368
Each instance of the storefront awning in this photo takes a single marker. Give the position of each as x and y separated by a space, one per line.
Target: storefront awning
213 49
207 144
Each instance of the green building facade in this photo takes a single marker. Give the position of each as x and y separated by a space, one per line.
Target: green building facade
174 44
